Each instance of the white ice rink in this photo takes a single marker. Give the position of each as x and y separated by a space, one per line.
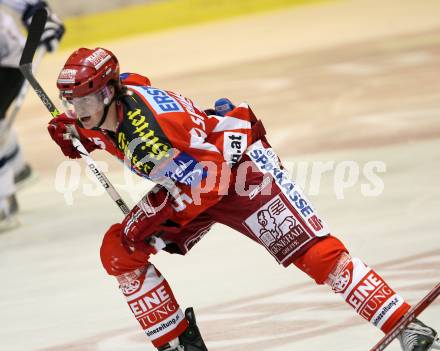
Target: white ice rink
350 81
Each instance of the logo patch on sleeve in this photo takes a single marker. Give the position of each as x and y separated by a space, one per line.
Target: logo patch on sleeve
160 100
183 169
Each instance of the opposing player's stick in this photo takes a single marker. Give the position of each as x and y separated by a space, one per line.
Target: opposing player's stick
33 40
407 318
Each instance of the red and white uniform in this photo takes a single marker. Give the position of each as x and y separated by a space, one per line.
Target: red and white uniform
224 169
172 137
238 181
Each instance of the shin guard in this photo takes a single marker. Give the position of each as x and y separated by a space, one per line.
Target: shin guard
153 304
366 292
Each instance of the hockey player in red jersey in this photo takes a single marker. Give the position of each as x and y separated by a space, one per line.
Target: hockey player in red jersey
213 168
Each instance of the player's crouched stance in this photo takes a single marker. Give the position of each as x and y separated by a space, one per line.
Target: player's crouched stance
163 135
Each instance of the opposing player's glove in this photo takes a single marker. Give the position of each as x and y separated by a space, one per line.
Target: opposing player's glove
61 128
149 217
54 29
223 106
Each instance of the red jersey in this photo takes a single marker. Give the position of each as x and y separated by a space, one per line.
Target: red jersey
164 136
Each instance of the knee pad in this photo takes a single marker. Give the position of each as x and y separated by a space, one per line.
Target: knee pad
115 258
320 259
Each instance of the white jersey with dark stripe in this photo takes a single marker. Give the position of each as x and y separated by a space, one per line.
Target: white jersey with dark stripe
11 41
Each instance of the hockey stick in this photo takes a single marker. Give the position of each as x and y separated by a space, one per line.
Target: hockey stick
33 40
407 318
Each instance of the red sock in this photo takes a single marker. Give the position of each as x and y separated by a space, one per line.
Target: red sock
361 287
153 304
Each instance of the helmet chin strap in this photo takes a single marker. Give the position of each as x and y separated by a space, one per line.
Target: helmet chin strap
104 114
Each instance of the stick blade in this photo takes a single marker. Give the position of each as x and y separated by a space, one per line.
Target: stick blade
36 30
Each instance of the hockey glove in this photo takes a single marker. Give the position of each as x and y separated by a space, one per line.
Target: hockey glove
60 129
149 217
54 29
223 106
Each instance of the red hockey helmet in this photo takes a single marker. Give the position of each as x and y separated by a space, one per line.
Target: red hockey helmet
87 71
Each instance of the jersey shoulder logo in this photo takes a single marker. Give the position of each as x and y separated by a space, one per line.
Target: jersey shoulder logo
158 99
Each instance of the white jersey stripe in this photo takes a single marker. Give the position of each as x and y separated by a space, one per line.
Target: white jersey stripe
230 123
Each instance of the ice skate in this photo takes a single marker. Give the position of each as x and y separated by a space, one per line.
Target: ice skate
8 213
190 339
418 337
173 345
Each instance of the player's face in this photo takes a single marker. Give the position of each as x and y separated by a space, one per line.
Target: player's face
88 109
92 120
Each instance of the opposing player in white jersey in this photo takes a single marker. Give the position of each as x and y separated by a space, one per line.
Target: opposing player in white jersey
13 168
